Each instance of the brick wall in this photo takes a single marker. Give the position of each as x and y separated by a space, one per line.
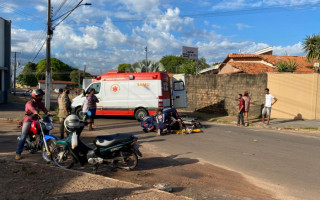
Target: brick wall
217 93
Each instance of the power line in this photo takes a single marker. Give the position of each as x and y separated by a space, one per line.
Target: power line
39 50
218 14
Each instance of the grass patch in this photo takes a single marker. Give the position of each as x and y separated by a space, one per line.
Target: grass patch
289 128
309 128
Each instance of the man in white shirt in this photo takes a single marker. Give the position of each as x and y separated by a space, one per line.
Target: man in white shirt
270 100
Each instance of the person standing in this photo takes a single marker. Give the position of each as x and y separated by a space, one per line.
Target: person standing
85 108
32 109
241 106
64 110
92 107
59 94
246 99
270 100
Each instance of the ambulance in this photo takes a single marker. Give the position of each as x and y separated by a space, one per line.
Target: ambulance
134 94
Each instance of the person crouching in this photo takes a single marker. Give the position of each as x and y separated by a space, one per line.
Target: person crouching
147 123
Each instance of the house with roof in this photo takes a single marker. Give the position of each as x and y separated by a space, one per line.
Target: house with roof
56 84
261 61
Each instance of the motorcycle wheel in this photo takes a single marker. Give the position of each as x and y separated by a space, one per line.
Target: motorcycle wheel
62 158
130 160
47 156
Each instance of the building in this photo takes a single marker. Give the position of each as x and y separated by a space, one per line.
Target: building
210 70
5 51
261 61
56 84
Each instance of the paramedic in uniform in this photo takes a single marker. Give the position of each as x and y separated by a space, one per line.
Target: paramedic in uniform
162 122
172 112
147 124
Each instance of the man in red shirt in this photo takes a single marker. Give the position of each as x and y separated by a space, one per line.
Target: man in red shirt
32 109
240 110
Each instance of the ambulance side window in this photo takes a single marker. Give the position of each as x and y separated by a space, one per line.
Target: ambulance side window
96 86
178 86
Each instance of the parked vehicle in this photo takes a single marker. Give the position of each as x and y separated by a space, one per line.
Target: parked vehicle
56 90
134 94
28 92
39 137
119 150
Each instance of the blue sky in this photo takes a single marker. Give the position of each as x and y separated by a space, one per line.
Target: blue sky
110 32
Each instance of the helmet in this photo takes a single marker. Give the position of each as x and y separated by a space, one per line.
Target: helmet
36 93
159 110
72 122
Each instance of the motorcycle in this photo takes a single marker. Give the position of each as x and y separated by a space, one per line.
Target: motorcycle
118 150
39 137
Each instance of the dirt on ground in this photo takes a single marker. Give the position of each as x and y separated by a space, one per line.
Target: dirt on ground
32 178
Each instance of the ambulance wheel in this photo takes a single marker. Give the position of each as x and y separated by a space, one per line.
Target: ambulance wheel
140 114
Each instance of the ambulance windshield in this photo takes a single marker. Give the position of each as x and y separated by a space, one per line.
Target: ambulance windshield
96 86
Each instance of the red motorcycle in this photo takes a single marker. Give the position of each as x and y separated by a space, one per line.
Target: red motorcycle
39 137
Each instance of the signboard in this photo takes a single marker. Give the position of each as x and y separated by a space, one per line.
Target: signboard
190 52
316 64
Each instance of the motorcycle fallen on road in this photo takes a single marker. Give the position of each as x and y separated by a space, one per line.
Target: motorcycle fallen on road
118 150
39 137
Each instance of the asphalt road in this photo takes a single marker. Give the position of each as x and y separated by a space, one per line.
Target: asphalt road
285 162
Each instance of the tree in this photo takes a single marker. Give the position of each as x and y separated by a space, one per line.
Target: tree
27 76
74 76
60 71
284 66
28 79
146 66
176 64
171 63
311 46
123 67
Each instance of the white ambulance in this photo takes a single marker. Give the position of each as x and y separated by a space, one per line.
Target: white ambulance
134 94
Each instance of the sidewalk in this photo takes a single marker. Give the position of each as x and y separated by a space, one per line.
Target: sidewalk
286 124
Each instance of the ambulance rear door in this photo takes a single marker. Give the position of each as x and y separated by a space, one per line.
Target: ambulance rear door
179 91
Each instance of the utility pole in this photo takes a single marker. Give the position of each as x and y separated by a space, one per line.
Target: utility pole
79 78
15 65
84 74
48 68
14 72
146 49
84 71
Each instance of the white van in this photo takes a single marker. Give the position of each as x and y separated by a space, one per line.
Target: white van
134 94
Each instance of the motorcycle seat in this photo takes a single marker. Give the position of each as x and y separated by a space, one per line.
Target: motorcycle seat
110 140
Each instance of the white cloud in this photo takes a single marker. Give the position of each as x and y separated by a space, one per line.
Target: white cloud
41 8
293 50
245 4
242 26
141 6
91 36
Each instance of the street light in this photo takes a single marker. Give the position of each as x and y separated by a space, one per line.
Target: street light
50 29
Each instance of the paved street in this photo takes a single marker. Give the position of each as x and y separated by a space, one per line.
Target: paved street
284 162
288 161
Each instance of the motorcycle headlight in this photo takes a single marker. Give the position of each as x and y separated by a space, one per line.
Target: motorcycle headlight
49 127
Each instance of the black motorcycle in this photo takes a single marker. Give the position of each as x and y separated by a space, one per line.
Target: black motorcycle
118 150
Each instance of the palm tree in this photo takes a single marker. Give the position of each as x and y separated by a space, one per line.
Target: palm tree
146 66
311 45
